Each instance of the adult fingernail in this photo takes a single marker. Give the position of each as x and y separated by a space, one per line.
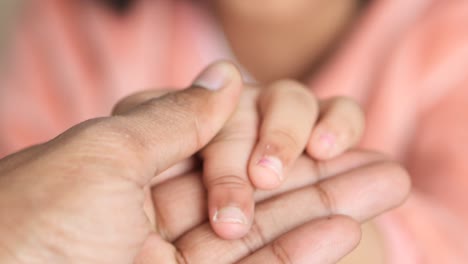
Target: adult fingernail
215 77
230 214
274 165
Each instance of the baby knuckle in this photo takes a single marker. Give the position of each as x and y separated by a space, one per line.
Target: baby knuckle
229 182
286 139
289 87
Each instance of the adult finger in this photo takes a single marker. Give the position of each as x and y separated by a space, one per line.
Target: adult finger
225 160
288 112
359 194
321 241
14 160
134 100
160 132
180 203
340 127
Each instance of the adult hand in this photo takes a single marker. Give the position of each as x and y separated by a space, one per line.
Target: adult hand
300 222
257 147
358 184
79 198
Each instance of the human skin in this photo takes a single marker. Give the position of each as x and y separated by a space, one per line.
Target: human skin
236 141
288 39
260 143
80 197
284 39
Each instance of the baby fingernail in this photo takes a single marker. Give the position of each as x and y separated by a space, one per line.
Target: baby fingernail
214 77
326 144
273 164
230 214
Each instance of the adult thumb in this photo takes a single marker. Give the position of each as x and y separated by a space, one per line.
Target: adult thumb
165 130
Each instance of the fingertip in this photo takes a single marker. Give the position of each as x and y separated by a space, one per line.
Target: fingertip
324 144
230 222
288 112
230 207
266 172
218 75
340 127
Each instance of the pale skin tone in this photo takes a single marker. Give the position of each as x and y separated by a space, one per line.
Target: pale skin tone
80 198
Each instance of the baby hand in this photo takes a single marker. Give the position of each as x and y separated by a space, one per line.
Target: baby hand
270 129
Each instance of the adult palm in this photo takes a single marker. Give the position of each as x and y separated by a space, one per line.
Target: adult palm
80 197
312 218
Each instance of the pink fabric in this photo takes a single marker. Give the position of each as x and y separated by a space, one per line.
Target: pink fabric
72 60
406 61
